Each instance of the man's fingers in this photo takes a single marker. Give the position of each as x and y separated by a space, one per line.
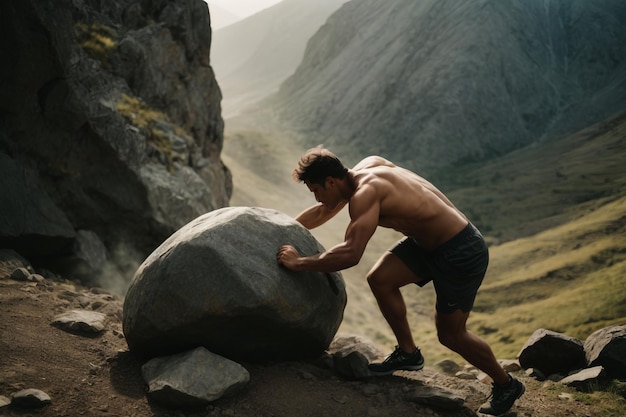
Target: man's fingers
280 252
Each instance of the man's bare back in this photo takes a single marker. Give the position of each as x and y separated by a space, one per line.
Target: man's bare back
408 203
378 193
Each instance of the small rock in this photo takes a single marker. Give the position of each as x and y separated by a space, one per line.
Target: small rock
510 365
448 366
82 321
465 375
586 378
437 397
37 278
347 343
193 378
484 378
352 365
31 398
535 373
20 274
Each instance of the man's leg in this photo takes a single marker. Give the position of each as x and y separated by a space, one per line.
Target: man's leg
454 335
385 280
506 389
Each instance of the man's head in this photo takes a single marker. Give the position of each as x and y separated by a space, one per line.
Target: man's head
316 165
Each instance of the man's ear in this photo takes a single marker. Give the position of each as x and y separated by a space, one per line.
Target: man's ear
330 182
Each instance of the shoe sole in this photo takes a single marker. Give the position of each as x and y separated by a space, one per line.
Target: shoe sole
403 368
479 414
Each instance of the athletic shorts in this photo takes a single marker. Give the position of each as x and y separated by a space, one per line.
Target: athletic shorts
456 268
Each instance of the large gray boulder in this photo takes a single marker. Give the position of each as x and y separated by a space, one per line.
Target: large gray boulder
216 283
552 353
607 347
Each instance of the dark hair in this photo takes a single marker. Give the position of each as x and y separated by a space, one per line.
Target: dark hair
317 164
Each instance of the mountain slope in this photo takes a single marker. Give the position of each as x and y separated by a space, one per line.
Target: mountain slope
544 185
437 82
253 56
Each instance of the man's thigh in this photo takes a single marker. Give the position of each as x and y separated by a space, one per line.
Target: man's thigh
393 271
415 259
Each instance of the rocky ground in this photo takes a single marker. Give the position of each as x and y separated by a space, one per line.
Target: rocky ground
97 376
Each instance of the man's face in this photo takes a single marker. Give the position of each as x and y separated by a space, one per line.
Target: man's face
328 195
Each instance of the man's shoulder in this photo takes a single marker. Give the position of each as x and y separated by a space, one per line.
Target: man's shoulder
373 161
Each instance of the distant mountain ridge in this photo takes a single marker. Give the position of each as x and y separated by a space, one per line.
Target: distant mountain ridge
433 83
253 56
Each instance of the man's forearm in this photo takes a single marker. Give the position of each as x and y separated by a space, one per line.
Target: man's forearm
314 216
330 261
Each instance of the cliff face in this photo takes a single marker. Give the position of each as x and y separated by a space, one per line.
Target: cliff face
436 82
110 127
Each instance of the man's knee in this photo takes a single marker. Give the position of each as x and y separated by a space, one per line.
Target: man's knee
449 337
375 280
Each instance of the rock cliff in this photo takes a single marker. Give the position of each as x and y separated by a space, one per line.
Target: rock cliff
110 128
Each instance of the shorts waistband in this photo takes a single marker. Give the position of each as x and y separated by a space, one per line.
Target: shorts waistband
467 231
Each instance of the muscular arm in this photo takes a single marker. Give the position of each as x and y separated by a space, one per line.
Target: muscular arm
317 215
364 212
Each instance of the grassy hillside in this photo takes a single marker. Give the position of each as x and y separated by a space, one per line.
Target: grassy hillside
569 279
555 215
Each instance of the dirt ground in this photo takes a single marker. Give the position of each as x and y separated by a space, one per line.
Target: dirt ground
97 376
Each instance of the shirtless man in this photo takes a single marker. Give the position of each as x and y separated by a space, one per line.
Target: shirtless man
440 245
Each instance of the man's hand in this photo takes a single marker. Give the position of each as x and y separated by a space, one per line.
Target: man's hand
287 256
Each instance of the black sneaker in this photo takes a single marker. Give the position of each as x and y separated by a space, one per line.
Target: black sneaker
398 360
502 397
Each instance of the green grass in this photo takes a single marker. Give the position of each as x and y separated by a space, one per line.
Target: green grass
568 279
604 400
605 404
99 41
154 123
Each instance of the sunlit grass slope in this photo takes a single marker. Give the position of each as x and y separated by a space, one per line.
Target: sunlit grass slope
570 279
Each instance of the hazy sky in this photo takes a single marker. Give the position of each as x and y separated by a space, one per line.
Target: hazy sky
243 8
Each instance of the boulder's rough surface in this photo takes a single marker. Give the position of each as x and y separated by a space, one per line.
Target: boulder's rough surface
216 283
607 347
193 378
552 352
